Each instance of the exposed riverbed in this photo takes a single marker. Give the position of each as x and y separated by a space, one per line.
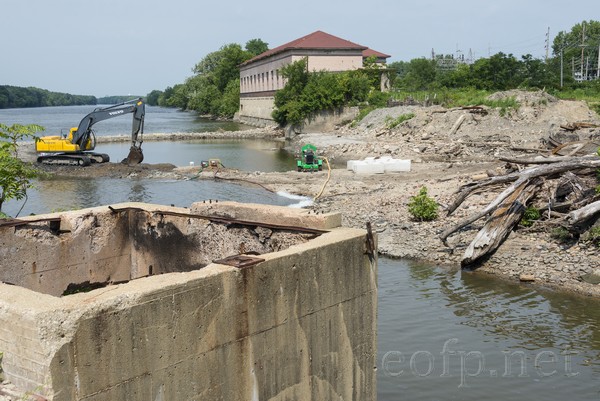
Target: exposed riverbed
431 315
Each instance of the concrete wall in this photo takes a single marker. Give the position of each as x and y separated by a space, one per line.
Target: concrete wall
300 325
264 75
325 121
257 110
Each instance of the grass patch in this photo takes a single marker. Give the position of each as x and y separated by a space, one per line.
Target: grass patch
459 98
592 235
394 122
561 234
362 113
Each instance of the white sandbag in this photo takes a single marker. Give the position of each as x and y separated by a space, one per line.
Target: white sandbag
368 167
396 165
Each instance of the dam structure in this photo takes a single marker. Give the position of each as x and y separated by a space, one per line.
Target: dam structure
218 301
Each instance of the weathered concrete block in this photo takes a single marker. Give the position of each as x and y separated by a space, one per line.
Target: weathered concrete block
300 324
269 214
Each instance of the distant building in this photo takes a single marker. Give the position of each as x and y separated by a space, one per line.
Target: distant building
260 78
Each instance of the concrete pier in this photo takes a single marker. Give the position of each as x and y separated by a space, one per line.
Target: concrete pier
127 303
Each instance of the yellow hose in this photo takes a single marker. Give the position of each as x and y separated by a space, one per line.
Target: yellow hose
326 181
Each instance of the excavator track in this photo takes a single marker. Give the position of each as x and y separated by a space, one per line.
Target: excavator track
81 160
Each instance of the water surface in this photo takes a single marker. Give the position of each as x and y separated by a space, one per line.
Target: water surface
68 194
452 335
246 154
58 120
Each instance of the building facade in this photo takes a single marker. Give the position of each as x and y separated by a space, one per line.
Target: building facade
260 76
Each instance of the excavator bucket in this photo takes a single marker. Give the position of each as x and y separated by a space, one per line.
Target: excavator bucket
135 156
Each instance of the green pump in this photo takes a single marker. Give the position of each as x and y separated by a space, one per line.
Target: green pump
309 160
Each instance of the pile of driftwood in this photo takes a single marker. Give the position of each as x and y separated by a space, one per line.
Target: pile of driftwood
562 188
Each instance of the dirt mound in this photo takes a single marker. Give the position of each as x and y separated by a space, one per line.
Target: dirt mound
525 98
462 134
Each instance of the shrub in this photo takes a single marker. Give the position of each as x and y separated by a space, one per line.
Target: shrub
423 208
561 234
531 214
592 235
308 92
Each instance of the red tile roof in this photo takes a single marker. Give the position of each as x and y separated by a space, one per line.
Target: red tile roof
371 52
316 40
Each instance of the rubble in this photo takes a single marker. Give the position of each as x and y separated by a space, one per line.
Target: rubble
486 144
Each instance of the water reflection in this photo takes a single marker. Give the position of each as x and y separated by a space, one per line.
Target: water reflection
447 334
66 194
139 193
248 155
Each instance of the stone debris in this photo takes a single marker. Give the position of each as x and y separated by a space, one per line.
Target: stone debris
442 163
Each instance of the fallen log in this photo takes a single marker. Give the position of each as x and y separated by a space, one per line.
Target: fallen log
457 125
519 178
468 189
576 146
545 159
583 214
578 125
501 222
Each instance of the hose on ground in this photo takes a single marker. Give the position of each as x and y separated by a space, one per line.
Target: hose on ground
326 181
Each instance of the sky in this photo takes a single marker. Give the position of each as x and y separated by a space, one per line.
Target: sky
116 47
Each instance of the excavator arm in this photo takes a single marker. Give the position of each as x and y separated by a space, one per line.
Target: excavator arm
84 130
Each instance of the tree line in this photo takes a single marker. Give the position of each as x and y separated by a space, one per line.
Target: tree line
505 71
214 87
18 97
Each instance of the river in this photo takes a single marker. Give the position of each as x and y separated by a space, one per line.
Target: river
443 334
446 334
58 120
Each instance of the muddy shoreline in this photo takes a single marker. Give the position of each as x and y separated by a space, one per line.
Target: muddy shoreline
442 161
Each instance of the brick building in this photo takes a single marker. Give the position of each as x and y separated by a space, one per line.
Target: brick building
260 78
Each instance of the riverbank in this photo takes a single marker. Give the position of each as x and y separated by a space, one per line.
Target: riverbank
383 201
448 148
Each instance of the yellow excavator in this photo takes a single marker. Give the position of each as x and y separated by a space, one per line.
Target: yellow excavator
77 147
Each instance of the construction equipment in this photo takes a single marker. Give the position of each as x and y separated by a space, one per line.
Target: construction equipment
309 160
77 147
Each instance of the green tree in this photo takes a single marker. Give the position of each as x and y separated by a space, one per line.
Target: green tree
306 93
499 72
256 47
420 74
287 100
221 66
153 97
535 73
422 207
212 89
397 71
203 95
582 36
15 96
230 101
15 175
178 98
